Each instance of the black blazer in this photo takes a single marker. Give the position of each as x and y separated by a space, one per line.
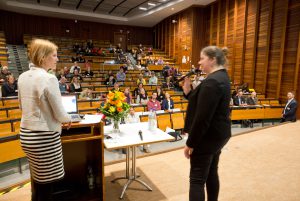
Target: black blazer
207 118
236 100
165 104
251 101
289 112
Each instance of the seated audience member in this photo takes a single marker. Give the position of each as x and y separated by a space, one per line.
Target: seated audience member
239 100
153 79
245 88
121 76
160 94
86 94
132 117
166 71
142 98
235 91
138 65
290 109
137 90
110 73
168 103
252 100
168 84
63 86
197 81
88 72
60 74
10 87
4 73
141 80
67 73
116 87
76 74
160 61
75 85
153 104
147 72
75 67
110 81
128 95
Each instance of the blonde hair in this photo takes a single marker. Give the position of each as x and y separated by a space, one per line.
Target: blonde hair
39 49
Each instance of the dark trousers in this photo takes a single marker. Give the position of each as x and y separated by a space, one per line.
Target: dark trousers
41 192
204 171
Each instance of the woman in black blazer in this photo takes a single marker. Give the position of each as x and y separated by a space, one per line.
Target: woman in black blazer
207 123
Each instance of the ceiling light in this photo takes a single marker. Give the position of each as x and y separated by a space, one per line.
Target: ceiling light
142 8
172 8
151 4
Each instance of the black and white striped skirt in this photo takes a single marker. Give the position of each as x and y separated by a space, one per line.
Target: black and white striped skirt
44 153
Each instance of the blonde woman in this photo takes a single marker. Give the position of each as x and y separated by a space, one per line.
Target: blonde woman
75 85
42 116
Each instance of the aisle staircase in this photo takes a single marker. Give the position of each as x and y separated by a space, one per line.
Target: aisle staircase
18 62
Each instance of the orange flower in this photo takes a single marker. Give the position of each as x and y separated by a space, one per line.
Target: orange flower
110 95
119 109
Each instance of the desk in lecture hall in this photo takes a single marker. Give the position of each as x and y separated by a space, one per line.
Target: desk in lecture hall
82 147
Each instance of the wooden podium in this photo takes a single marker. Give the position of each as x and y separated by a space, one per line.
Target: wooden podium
83 149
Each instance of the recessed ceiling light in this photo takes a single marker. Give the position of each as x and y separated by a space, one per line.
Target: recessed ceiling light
142 8
151 4
172 8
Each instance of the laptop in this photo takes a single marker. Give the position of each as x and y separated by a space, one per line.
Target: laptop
70 104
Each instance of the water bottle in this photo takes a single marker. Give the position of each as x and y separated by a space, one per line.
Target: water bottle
152 120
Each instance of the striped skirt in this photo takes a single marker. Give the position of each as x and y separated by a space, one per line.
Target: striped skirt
44 153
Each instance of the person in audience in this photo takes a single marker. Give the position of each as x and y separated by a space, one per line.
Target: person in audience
160 61
60 74
88 72
63 86
160 93
166 71
252 100
290 109
153 79
137 90
245 88
86 94
128 95
76 74
67 73
42 117
239 99
75 67
141 80
207 123
147 72
168 103
168 84
121 76
138 65
4 73
116 87
132 117
153 104
75 85
110 81
197 81
10 87
142 98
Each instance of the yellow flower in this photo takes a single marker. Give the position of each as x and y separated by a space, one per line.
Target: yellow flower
110 95
119 104
112 109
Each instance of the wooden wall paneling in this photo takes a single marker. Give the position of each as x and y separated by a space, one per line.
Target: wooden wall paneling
269 9
250 41
218 21
297 72
234 42
211 25
289 66
244 40
226 22
222 23
282 46
230 37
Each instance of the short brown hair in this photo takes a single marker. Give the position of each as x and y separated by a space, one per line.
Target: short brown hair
215 52
39 49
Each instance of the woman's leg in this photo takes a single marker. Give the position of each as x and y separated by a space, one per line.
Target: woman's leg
200 166
212 183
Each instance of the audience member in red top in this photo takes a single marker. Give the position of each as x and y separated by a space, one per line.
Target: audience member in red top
153 104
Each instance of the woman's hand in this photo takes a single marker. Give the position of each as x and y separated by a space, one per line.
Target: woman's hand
67 125
186 85
187 152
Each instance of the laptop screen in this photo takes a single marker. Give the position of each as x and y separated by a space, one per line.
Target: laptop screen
70 103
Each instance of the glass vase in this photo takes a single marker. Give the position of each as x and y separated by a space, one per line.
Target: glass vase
116 126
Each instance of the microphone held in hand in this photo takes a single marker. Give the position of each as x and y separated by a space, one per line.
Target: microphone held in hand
192 72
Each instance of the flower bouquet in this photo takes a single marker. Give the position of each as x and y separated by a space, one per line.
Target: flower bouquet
115 108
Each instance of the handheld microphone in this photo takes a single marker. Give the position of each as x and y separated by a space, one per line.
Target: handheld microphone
192 72
141 135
